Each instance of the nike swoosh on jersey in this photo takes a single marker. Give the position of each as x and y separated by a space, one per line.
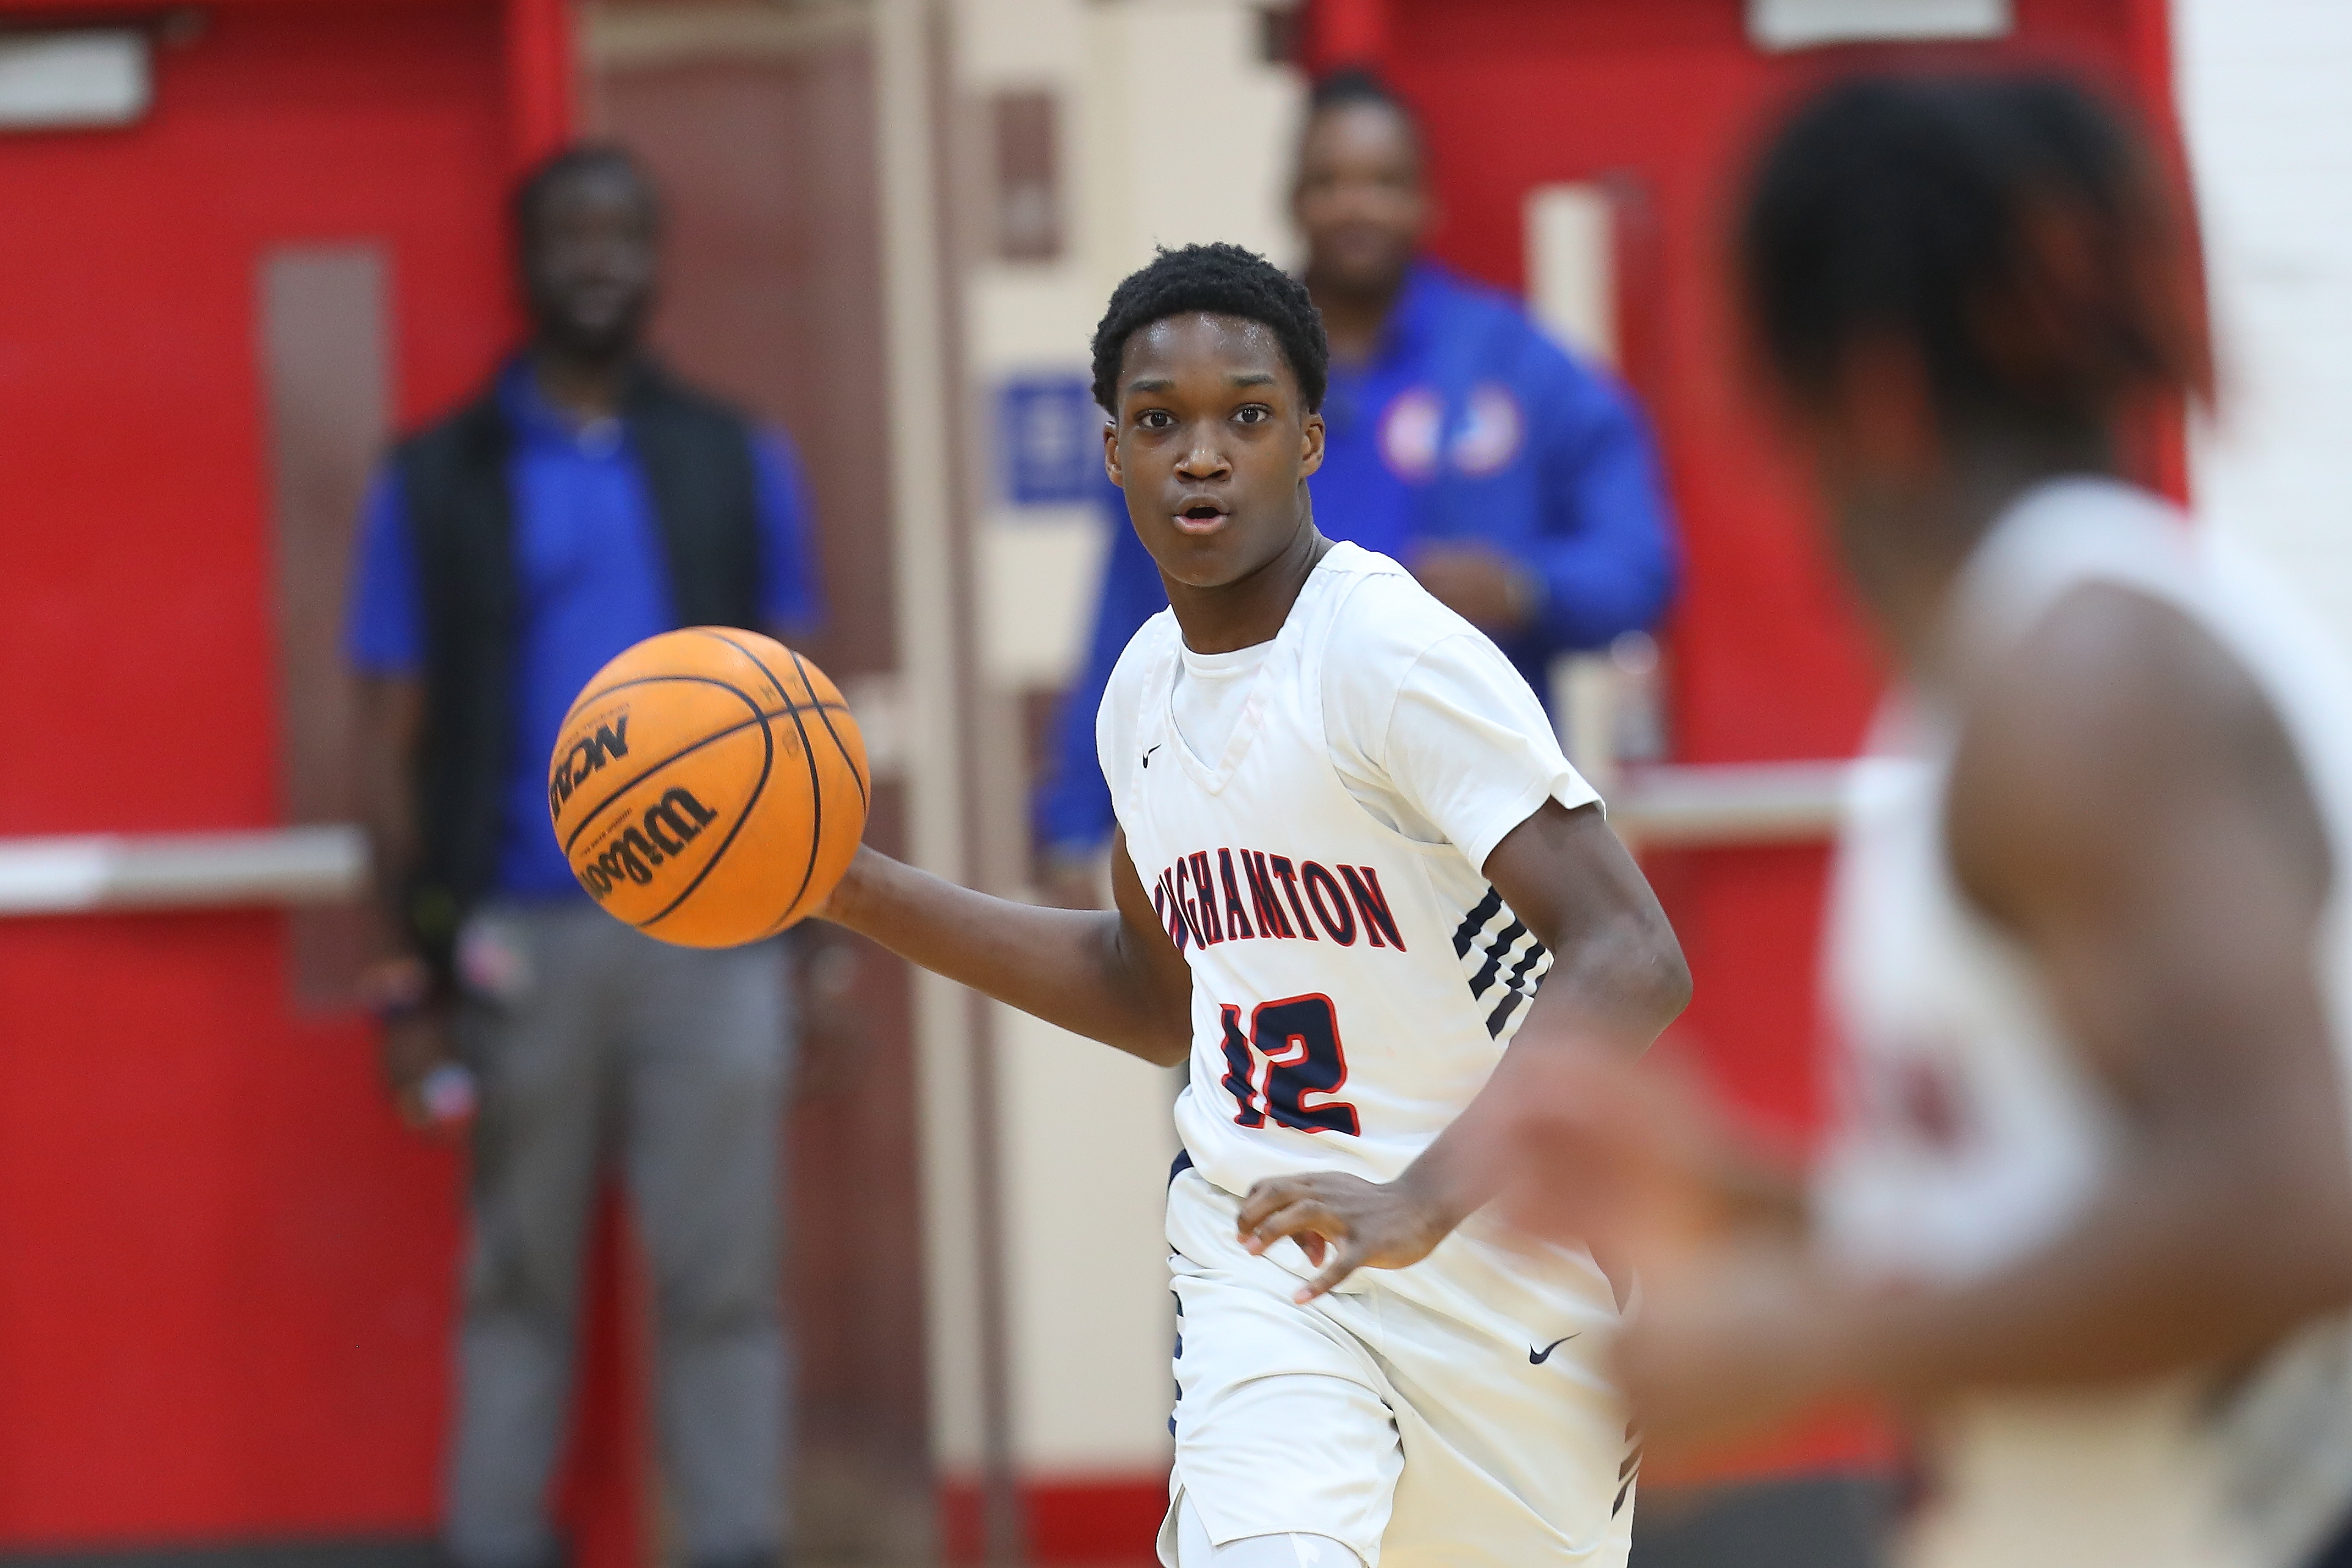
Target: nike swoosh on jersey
1536 1358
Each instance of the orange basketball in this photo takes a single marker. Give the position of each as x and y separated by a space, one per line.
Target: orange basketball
708 786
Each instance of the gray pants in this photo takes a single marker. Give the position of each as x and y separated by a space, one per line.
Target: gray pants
597 1047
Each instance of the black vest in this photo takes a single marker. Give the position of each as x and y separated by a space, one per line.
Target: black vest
698 463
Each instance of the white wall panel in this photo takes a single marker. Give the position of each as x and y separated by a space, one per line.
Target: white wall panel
1085 1133
1086 1141
2265 89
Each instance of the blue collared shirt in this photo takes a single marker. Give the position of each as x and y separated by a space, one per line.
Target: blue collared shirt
592 577
1468 424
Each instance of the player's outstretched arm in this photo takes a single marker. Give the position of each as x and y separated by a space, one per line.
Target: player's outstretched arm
1110 976
1617 979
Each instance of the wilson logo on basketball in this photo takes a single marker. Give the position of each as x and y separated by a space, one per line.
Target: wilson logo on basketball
708 787
589 753
668 825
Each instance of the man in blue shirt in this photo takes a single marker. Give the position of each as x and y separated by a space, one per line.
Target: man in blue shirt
584 501
1519 486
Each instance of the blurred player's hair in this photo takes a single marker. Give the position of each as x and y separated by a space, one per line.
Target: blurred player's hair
1215 281
2012 229
1352 85
570 163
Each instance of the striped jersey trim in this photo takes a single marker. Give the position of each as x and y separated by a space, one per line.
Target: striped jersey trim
1501 959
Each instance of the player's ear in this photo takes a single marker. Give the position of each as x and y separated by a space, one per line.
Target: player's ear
1110 453
1310 447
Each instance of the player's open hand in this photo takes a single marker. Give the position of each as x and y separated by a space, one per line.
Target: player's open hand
1342 1222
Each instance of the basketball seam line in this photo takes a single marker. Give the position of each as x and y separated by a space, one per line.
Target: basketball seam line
823 710
816 785
767 766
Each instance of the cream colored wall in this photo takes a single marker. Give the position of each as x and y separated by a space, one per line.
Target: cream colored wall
1172 131
2267 115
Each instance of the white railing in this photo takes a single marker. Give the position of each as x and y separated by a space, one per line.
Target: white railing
1675 806
1725 803
102 872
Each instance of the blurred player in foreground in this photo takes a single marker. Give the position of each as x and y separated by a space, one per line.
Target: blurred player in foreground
2088 1214
1368 867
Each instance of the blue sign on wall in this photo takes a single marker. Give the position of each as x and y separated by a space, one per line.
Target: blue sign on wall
1051 436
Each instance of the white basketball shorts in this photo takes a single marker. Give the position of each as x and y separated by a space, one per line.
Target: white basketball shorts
1456 1413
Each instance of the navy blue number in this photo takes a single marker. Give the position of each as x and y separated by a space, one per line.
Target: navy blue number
1298 1040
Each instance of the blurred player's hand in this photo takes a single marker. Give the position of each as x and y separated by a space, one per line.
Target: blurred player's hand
431 1090
1634 1160
1628 1157
1354 1223
1740 1339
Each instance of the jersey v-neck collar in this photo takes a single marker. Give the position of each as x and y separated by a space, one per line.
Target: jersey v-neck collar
1214 777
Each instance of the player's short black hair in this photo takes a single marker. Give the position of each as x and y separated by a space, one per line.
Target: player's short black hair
2010 228
568 163
1216 280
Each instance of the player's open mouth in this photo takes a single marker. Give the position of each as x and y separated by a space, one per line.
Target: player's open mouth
1201 516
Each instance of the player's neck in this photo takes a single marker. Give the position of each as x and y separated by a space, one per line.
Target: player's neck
1905 545
1251 609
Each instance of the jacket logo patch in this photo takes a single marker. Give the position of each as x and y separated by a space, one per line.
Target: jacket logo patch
1412 430
1492 428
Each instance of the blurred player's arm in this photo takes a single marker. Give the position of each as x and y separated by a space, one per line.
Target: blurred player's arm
1112 977
1618 978
2128 806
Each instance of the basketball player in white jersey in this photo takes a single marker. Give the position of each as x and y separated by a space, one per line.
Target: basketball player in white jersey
2088 1213
1352 866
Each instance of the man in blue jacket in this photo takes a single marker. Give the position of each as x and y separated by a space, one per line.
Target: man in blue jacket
1518 485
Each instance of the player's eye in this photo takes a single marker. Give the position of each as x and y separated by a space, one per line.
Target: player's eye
1154 419
1254 414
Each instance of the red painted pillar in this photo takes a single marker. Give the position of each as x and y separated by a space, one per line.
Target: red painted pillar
542 78
1348 33
2147 57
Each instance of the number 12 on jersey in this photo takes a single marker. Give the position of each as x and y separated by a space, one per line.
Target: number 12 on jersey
1296 1040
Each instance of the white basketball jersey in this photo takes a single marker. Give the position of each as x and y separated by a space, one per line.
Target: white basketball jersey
1972 1133
1352 987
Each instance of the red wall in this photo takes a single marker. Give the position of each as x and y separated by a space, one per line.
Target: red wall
227 1275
